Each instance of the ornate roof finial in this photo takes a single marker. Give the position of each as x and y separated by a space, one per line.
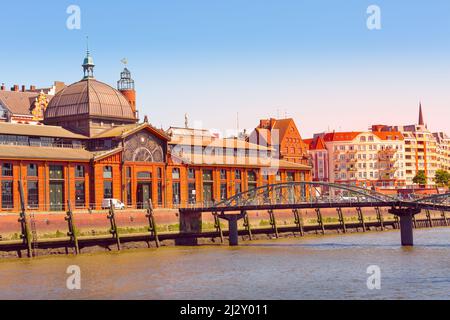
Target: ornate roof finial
186 121
88 63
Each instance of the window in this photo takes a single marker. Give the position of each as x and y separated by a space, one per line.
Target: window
144 175
223 174
160 196
7 170
176 174
192 193
80 194
7 195
237 174
56 173
128 172
32 170
207 175
223 191
33 194
237 188
191 174
278 177
129 198
159 171
107 190
176 193
79 171
107 172
290 176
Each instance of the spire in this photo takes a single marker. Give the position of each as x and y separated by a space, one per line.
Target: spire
421 121
88 63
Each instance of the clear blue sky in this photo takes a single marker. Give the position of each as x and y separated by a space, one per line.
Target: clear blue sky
313 60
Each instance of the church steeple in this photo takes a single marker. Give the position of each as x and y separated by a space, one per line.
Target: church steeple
88 65
421 119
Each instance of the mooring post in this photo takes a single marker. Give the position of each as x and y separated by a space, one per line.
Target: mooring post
114 231
380 218
430 221
273 223
361 218
218 226
152 228
25 234
298 219
320 220
247 225
233 230
72 229
396 222
444 216
341 220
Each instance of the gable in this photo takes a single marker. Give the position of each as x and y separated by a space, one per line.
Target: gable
143 146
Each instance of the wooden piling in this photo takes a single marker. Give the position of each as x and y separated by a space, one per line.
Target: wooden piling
247 225
397 222
429 219
380 218
114 231
25 231
298 219
72 229
152 228
320 220
273 223
444 216
361 219
341 220
218 226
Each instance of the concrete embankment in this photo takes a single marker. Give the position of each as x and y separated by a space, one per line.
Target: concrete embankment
50 234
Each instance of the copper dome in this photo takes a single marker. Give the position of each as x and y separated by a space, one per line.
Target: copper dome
90 98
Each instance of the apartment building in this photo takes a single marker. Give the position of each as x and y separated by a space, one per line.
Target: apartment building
443 150
421 149
366 159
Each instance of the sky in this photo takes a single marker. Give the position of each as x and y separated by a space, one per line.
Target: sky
223 60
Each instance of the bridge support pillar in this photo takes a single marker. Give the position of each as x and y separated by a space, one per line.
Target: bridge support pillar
233 230
406 224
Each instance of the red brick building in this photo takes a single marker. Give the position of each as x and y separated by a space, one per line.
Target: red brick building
92 147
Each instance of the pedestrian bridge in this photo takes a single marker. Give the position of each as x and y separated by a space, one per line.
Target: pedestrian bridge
318 195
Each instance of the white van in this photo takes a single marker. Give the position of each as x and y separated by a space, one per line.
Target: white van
119 205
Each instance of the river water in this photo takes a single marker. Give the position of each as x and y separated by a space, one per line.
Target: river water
330 267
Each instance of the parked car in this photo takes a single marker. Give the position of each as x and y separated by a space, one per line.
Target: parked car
119 205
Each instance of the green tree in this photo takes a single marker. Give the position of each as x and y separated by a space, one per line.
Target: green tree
442 178
420 178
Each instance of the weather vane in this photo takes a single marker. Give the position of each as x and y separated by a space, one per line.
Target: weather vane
124 61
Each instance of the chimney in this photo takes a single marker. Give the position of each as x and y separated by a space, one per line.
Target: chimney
23 88
15 88
2 87
32 88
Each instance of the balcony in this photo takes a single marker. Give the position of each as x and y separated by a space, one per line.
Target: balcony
387 151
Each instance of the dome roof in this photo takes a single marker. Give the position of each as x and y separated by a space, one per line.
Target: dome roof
91 98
